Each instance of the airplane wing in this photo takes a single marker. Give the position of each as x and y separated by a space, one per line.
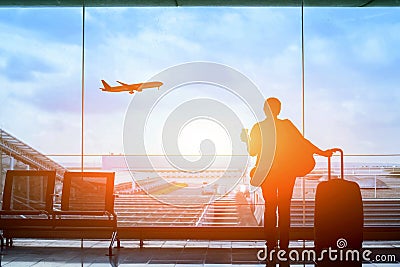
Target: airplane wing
130 87
121 83
142 85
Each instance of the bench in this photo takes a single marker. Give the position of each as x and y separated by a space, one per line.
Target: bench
87 211
87 206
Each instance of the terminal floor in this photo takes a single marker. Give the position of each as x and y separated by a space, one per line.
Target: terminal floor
30 252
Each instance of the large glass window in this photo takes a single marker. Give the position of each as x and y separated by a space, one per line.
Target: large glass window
52 65
40 95
352 79
352 94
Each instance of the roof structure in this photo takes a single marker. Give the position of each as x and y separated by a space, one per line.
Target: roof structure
166 3
17 149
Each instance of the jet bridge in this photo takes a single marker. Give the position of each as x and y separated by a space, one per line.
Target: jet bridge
14 151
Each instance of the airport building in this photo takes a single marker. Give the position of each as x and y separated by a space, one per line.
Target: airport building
121 129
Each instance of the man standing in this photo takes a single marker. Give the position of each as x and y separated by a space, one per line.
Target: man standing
282 155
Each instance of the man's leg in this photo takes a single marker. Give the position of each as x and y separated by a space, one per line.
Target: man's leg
285 190
270 197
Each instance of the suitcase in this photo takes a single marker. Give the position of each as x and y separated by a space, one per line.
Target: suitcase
338 219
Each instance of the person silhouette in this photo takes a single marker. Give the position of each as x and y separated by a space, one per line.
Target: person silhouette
282 155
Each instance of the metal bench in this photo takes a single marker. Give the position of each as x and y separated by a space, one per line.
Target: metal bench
87 206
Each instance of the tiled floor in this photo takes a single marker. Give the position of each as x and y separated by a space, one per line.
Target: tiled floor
29 252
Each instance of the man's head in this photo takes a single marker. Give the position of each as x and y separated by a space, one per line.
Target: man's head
274 104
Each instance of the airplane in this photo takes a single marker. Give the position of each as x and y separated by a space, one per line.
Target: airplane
131 88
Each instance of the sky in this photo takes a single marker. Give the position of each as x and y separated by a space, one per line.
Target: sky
352 63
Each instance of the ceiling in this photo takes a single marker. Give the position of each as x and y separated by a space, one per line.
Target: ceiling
156 3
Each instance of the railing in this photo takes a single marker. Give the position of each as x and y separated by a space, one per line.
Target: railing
15 148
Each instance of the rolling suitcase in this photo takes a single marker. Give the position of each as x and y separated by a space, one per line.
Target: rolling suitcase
338 219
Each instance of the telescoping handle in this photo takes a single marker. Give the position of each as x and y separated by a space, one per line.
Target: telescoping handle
341 163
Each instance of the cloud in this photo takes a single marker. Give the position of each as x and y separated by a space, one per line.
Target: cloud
39 72
24 69
49 133
351 81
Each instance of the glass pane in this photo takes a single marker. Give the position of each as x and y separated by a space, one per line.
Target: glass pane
352 97
87 193
131 45
40 80
29 193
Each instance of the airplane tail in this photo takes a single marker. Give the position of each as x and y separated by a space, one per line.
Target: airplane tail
106 85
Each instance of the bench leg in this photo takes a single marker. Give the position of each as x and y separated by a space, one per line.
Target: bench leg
141 243
118 242
114 236
2 242
110 252
9 242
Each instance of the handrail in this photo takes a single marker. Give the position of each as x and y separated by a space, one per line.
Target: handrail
19 150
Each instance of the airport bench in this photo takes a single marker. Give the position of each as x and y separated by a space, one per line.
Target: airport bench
87 206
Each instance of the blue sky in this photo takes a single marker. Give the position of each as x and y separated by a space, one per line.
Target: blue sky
352 65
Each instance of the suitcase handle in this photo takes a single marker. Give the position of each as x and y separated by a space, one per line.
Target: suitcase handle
341 163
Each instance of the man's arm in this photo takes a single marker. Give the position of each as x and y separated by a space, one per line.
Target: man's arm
254 146
314 148
253 141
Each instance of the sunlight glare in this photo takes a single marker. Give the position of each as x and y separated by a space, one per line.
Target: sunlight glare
197 130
